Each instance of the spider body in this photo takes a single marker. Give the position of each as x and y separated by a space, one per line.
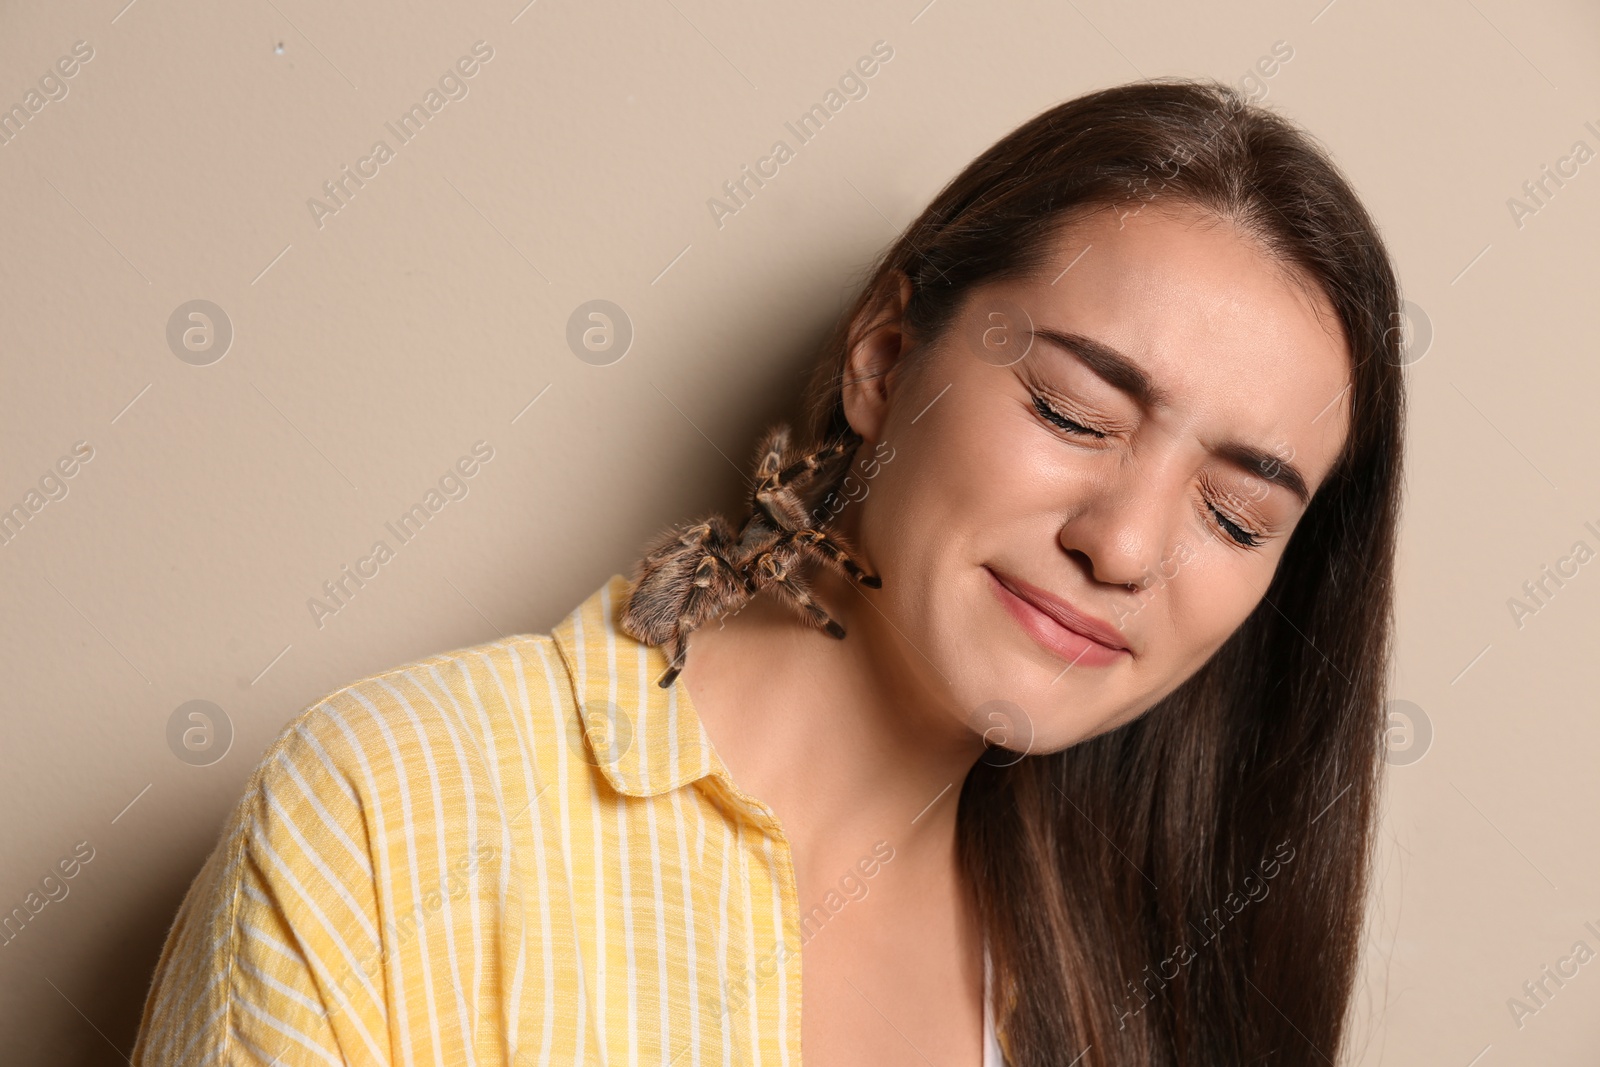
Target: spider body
692 575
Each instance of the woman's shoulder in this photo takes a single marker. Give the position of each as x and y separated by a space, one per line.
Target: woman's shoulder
374 809
473 722
439 741
451 717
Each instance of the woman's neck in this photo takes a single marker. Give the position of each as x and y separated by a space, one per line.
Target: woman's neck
848 741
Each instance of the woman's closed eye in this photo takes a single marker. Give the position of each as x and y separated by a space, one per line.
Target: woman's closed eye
1237 533
1241 536
1055 417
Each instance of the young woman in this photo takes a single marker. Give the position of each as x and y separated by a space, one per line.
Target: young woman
1058 739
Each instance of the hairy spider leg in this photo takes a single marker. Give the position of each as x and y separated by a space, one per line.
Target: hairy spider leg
774 574
770 454
811 462
773 492
829 547
703 600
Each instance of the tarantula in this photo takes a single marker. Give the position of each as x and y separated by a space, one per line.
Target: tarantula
690 576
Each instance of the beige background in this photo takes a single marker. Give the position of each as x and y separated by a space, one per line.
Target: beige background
372 352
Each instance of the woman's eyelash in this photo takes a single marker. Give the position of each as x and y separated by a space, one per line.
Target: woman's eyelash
1054 416
1240 536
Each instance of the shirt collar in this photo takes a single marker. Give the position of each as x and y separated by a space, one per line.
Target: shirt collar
646 740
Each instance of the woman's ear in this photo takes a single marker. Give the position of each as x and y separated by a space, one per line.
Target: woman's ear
879 346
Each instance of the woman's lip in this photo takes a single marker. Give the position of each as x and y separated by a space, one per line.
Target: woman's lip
1043 621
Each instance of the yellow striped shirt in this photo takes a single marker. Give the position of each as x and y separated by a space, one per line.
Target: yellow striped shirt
524 852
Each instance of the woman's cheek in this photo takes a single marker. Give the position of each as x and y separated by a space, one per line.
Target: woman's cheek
1210 600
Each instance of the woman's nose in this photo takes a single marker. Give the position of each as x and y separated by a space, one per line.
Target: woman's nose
1126 527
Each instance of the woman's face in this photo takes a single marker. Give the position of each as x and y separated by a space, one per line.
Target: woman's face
1130 433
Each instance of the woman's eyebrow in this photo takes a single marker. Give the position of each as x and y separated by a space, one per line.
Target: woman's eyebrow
1266 466
1123 374
1118 370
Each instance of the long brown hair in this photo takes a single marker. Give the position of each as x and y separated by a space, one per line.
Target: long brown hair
1190 887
